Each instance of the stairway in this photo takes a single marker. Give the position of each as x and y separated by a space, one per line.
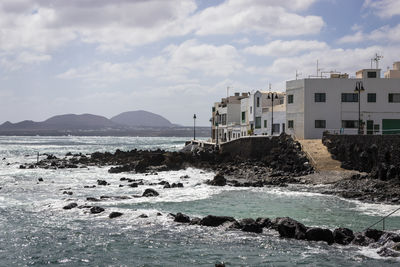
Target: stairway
319 155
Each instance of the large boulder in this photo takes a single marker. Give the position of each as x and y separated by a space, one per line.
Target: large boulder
96 210
264 222
319 234
219 180
182 218
361 240
290 228
70 206
373 233
214 221
150 193
115 214
343 236
250 225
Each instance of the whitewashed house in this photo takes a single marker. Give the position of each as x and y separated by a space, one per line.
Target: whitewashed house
315 105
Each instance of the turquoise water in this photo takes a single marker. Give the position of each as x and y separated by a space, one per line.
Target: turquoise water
35 230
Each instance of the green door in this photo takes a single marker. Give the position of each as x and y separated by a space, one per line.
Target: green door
390 126
370 127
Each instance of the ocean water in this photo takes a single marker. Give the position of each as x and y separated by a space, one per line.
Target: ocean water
36 231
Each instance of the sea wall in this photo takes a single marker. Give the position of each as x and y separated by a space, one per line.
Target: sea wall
379 154
250 147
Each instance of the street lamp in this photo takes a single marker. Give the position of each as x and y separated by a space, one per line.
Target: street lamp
359 88
211 122
216 124
194 127
272 96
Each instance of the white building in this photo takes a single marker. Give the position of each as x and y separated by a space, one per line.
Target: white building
248 114
315 105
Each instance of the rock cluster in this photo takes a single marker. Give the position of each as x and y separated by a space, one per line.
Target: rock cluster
377 156
387 242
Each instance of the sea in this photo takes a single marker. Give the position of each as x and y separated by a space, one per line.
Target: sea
35 230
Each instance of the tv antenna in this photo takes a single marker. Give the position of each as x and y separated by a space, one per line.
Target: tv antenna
318 70
298 74
377 58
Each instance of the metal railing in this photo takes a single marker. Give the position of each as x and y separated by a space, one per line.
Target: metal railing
382 220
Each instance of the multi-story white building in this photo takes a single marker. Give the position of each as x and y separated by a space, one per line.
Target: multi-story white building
248 114
315 105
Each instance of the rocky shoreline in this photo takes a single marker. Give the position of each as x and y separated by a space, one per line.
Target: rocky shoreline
284 164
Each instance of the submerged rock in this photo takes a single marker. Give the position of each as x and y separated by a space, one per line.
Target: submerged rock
70 206
102 182
214 221
343 236
182 218
149 192
219 180
320 234
96 210
115 214
290 228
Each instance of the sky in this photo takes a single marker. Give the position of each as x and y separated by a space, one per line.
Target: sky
177 57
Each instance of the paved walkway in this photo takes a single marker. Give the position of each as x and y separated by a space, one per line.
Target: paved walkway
321 158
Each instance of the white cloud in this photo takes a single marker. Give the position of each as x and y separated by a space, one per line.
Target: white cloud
15 62
381 35
254 16
383 8
285 48
176 64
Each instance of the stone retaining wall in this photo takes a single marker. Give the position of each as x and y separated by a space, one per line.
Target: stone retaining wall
367 153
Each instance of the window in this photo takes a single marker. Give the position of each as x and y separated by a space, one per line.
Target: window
371 97
349 97
290 124
394 98
319 97
223 119
350 124
265 123
371 74
290 99
376 128
258 102
258 122
276 128
243 116
320 124
213 109
251 110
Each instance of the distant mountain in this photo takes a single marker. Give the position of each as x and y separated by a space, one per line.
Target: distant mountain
84 121
141 118
63 122
133 123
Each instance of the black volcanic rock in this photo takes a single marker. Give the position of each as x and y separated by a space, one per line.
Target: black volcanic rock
141 118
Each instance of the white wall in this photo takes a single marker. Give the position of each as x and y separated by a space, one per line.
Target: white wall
333 111
295 111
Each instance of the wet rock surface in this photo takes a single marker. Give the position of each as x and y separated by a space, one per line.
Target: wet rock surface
378 156
387 243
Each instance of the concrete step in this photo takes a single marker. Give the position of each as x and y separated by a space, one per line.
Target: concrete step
320 156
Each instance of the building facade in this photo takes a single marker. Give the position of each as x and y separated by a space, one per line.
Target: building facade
315 105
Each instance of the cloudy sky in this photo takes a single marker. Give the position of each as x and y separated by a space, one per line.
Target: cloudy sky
177 57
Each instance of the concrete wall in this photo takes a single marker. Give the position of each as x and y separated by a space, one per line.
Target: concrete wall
295 110
249 147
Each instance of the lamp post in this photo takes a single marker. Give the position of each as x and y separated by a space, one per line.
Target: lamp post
272 96
211 122
194 127
216 124
359 88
